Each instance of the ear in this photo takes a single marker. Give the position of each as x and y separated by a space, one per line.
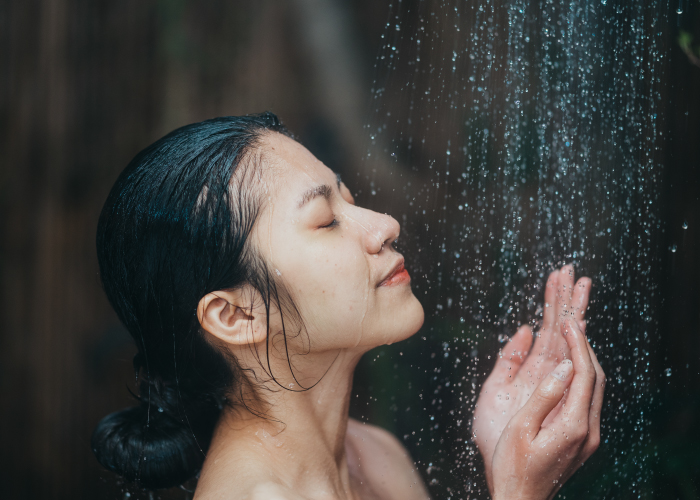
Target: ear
230 318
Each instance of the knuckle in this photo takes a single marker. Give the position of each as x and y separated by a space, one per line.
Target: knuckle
579 434
579 438
546 394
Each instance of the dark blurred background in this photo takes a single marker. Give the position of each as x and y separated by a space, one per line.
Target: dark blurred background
85 85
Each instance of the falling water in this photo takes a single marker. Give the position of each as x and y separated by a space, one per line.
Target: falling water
526 135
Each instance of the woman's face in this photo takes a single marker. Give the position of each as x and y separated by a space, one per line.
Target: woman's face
335 258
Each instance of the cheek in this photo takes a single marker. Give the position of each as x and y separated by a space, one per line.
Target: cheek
330 286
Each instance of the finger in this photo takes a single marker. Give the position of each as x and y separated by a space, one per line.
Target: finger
550 300
565 290
582 325
583 383
580 298
596 407
513 354
545 398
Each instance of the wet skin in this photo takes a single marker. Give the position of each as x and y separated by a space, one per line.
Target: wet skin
522 365
337 263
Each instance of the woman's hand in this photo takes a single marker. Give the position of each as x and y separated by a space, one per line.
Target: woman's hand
533 459
517 374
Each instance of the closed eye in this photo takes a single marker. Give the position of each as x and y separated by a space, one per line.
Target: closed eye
333 223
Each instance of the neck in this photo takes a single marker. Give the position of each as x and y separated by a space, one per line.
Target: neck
301 437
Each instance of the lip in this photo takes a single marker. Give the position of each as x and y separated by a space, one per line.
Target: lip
398 274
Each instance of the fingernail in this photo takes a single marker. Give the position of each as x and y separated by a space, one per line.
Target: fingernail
563 370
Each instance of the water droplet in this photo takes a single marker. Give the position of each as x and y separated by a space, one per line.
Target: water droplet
674 248
667 371
685 225
502 338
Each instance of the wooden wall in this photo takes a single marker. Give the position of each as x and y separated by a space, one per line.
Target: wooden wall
84 85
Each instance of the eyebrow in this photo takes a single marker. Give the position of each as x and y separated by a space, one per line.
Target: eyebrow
323 190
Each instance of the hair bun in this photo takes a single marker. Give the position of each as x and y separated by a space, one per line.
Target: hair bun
156 450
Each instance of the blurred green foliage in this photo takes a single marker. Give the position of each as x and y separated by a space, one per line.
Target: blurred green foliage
685 41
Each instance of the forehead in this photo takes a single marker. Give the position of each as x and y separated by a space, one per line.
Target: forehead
291 167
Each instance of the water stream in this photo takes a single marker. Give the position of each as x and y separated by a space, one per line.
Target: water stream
527 135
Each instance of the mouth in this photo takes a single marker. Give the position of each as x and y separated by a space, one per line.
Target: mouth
397 275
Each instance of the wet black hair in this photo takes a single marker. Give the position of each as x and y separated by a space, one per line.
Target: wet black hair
174 228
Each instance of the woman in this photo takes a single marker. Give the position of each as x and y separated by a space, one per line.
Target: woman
252 285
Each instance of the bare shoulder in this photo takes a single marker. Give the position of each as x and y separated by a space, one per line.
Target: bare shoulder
379 457
273 491
259 491
372 438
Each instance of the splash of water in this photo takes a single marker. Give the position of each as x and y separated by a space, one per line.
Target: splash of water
533 131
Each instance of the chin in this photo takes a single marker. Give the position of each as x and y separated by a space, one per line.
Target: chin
411 320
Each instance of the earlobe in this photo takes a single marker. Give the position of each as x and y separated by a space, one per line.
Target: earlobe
221 314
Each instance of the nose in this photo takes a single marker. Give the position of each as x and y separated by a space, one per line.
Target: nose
381 230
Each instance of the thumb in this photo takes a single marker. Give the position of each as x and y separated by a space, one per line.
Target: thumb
545 398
